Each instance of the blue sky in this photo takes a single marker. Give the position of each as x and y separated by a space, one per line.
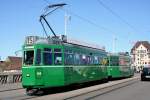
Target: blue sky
20 18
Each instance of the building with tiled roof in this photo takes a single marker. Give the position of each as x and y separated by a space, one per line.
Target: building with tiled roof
141 54
14 63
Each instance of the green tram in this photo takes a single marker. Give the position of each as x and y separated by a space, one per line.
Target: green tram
53 62
119 65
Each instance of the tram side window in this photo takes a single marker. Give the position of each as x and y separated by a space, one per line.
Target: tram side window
114 61
38 57
96 60
28 57
69 57
91 60
100 60
104 61
84 60
47 56
124 62
57 56
88 60
76 59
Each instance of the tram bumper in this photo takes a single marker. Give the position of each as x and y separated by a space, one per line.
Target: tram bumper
32 77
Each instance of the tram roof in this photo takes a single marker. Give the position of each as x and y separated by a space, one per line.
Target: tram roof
30 40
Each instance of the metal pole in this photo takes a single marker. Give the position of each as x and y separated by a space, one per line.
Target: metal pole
65 23
67 18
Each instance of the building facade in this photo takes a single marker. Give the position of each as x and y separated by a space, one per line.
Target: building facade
2 64
14 63
140 54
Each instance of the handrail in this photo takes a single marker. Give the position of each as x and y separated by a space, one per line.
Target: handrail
12 77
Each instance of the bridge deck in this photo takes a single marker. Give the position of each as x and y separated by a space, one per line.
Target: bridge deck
6 87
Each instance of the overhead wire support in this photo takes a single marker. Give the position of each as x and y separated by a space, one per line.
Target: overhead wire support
115 14
43 28
46 1
54 5
43 16
85 19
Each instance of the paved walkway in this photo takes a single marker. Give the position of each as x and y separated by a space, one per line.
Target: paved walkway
6 87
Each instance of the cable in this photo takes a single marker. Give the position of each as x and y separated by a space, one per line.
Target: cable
115 14
89 21
86 20
44 28
93 23
46 1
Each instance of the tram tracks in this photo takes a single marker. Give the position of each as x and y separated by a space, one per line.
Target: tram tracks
10 89
15 94
95 93
87 93
90 92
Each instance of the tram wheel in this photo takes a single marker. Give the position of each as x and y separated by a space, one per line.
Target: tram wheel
31 92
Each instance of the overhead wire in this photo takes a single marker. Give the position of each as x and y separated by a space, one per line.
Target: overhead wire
87 20
117 15
91 22
46 1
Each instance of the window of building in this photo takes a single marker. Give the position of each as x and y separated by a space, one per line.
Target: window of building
148 55
141 55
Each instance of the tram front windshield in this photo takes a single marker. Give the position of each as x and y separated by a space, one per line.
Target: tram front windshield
28 57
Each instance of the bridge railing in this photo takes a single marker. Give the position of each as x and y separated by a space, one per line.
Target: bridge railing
11 77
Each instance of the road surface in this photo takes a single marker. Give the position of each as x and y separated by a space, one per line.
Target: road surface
137 91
